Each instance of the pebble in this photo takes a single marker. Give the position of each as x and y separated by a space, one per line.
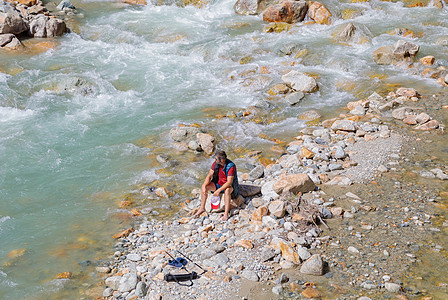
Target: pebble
134 257
352 249
250 275
392 287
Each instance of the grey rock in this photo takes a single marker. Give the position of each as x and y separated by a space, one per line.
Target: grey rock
334 167
313 266
358 111
267 254
249 190
300 82
402 112
42 26
404 49
278 289
427 174
113 282
344 125
294 98
180 134
134 257
194 145
10 41
128 282
303 253
11 21
256 173
382 169
251 7
108 292
293 149
392 287
220 259
65 4
384 55
250 275
443 41
346 34
141 289
439 174
339 153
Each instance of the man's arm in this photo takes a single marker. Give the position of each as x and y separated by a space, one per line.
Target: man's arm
224 186
209 177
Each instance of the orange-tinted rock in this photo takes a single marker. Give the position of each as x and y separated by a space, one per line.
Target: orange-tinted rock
136 212
123 233
264 70
431 125
135 2
407 92
124 204
244 243
410 120
294 183
428 60
288 252
319 13
310 292
16 253
259 213
64 275
286 11
363 103
307 153
337 211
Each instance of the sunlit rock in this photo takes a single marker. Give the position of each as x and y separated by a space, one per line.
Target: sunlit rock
286 11
207 142
44 26
319 13
11 21
10 41
123 233
64 275
277 27
300 82
288 252
135 2
294 183
428 60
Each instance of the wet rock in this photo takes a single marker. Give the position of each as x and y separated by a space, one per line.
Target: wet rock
183 133
65 4
404 49
294 98
277 208
42 26
392 287
384 55
250 275
251 7
10 41
313 266
319 13
443 41
104 270
300 82
128 282
294 183
256 173
11 21
286 11
207 142
288 252
402 112
428 60
344 125
431 125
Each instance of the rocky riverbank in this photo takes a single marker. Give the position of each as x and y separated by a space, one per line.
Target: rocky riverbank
278 242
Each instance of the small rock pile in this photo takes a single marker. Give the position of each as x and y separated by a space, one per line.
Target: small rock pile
190 137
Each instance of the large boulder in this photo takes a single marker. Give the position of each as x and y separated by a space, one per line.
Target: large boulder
183 133
9 41
404 49
43 26
300 82
11 21
286 11
319 13
294 183
252 7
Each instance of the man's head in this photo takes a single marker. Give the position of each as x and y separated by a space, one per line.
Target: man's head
220 157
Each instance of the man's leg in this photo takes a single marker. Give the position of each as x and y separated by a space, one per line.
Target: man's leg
227 197
204 191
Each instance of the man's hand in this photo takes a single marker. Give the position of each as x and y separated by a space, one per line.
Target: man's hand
216 193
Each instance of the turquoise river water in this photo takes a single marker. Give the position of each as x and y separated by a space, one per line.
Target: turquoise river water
68 153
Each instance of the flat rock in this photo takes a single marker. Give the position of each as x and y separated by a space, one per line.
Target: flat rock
313 266
249 190
300 82
392 287
250 275
344 125
294 98
134 257
294 183
128 282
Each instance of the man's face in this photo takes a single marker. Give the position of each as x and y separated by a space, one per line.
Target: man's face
219 161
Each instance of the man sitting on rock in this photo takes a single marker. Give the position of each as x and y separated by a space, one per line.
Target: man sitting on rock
222 178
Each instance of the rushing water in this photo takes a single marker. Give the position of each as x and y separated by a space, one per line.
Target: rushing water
74 119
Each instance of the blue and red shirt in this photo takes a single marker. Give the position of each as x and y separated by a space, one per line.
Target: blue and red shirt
222 178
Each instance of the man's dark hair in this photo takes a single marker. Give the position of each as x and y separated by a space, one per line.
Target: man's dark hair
221 154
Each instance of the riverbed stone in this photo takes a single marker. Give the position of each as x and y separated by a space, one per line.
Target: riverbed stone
10 41
128 282
65 4
404 49
303 253
277 208
183 133
300 82
384 55
294 183
344 125
11 21
286 11
256 173
250 275
108 292
402 112
422 118
207 142
287 251
249 190
134 257
392 287
42 26
345 34
294 98
113 282
407 92
319 13
431 125
313 266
